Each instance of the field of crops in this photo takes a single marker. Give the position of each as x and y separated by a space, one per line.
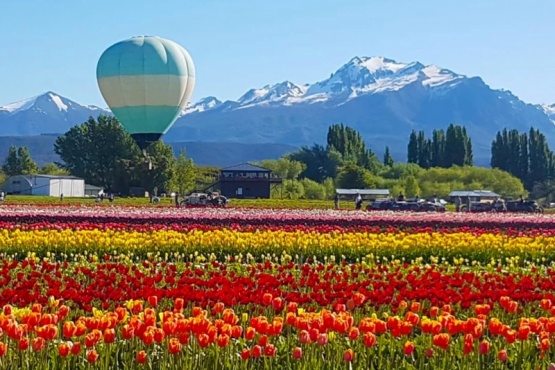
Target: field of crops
167 288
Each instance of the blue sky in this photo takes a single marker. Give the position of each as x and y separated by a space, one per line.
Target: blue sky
240 44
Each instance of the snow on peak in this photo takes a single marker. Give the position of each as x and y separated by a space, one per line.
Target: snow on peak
19 105
363 75
202 105
46 103
273 93
58 101
436 76
549 110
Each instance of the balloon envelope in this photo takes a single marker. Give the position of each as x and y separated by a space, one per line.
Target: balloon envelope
146 81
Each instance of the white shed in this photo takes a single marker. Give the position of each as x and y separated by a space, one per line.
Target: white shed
49 185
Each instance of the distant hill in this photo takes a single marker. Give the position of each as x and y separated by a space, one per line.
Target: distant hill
381 98
210 153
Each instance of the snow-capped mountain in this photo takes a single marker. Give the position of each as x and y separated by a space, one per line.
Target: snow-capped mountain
282 93
202 105
45 113
549 111
381 98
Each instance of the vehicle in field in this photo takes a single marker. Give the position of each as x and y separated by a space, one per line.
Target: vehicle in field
520 206
414 205
213 199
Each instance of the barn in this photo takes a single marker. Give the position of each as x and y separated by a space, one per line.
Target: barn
246 181
49 185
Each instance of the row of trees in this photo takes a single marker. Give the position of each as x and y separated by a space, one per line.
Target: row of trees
445 149
525 155
315 172
102 153
19 162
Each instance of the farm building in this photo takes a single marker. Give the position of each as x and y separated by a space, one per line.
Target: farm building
49 185
92 190
473 195
366 194
247 181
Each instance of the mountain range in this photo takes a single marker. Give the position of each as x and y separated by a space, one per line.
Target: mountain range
381 98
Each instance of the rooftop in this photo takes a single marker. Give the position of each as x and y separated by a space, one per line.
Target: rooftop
362 191
246 167
473 193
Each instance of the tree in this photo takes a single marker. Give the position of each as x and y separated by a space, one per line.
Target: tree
438 149
352 176
313 190
184 179
527 156
458 147
412 155
453 148
98 151
411 187
19 162
52 169
11 164
319 162
387 158
349 144
159 174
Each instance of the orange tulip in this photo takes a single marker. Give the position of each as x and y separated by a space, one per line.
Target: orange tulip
23 344
63 349
369 339
349 355
408 348
38 344
92 356
174 346
441 340
141 357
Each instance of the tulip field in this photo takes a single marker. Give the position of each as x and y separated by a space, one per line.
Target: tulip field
122 287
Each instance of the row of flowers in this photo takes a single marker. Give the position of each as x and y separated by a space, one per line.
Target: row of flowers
174 335
30 225
405 246
275 217
106 284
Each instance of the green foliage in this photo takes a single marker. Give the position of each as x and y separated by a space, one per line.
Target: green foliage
387 158
528 157
184 180
411 187
19 162
445 149
159 173
329 185
349 144
313 190
284 167
320 163
352 176
293 189
98 151
401 170
441 181
544 192
52 169
205 176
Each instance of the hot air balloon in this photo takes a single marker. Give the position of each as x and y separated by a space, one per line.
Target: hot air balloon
146 81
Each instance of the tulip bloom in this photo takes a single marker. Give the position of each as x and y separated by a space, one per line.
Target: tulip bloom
142 357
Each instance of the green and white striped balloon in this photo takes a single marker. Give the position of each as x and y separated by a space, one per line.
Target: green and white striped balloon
146 81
